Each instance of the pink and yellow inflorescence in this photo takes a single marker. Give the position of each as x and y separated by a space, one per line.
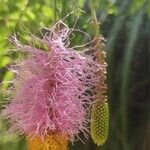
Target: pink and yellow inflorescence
52 91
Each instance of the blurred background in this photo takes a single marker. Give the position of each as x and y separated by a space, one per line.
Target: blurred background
125 24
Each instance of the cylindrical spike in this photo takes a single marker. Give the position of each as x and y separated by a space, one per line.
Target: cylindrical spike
100 122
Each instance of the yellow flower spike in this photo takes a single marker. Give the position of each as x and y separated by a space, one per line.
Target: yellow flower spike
51 142
100 122
100 109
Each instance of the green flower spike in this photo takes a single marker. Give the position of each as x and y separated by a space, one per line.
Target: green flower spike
100 122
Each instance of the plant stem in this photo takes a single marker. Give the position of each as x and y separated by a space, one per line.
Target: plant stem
94 18
55 11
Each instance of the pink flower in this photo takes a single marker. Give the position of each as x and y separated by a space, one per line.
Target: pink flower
52 89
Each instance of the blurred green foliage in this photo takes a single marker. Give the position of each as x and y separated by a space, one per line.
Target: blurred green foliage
126 26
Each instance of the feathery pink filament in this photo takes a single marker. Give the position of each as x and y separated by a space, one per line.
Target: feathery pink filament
51 89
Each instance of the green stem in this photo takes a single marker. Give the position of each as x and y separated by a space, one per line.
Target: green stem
55 10
94 18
